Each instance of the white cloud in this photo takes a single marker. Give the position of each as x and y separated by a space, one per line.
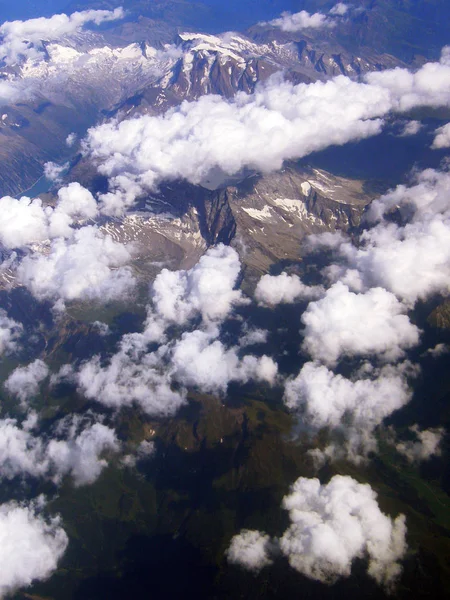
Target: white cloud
411 128
200 360
411 260
76 201
438 350
13 90
31 545
20 452
135 376
80 454
75 450
340 9
145 450
10 332
102 328
332 525
23 222
250 549
127 380
71 139
354 407
23 39
26 221
251 336
53 171
428 86
426 445
260 130
91 266
345 323
284 289
428 195
206 289
301 20
156 381
442 137
325 240
24 382
335 523
278 121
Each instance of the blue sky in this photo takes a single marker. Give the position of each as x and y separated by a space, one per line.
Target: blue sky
25 9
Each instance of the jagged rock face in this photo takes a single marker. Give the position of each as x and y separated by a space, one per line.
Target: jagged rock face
266 218
320 57
274 213
225 64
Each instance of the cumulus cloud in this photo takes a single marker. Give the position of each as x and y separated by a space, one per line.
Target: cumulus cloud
53 171
197 301
24 382
23 39
207 289
438 350
32 544
278 121
340 9
425 446
302 20
442 137
71 139
76 450
251 336
428 195
327 240
403 256
411 259
356 407
333 524
411 128
428 86
145 450
102 328
20 452
200 360
156 381
11 91
345 323
91 266
129 379
80 455
74 203
284 289
26 221
10 333
250 549
133 375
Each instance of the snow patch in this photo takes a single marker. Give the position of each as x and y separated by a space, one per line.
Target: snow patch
259 215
